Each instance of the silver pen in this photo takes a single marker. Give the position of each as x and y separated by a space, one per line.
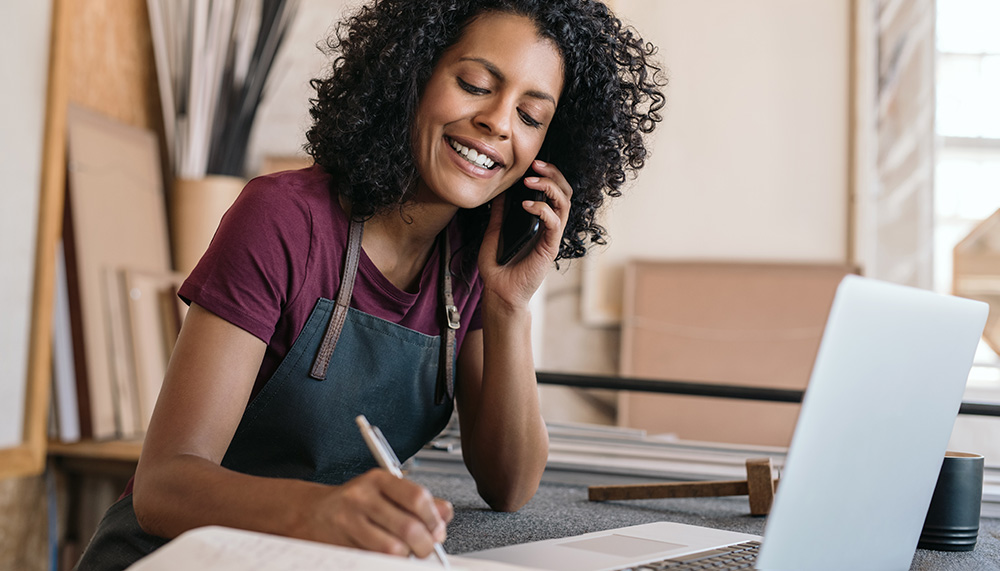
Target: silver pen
387 459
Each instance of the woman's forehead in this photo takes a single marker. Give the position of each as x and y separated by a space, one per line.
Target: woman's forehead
513 45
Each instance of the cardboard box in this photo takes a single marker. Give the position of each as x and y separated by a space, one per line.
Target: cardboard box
752 324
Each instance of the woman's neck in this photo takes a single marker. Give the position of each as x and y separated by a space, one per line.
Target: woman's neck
399 242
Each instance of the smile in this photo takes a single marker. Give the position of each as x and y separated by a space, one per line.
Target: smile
471 155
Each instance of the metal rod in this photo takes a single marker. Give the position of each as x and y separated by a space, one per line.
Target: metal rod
979 408
701 389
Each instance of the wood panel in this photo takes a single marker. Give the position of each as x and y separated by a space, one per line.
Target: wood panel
111 66
729 323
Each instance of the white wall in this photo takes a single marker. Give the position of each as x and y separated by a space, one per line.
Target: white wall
751 161
24 52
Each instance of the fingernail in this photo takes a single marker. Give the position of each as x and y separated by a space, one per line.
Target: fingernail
451 512
542 164
531 179
528 203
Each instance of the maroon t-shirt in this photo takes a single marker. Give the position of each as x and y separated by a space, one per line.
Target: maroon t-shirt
281 247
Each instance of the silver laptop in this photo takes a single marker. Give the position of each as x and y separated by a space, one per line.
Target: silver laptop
870 438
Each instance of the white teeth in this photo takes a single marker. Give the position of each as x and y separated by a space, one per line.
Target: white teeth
472 155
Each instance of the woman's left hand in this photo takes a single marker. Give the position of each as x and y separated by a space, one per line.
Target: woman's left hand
517 281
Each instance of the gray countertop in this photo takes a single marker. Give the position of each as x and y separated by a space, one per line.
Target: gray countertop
561 509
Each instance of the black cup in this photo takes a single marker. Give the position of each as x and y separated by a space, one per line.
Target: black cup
952 522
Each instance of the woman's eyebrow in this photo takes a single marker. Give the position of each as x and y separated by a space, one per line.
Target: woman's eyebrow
495 72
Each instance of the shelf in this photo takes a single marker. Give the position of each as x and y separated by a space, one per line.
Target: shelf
123 450
116 458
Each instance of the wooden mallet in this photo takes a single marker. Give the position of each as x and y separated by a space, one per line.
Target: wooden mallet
759 486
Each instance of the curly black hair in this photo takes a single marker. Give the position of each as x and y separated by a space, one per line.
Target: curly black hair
383 58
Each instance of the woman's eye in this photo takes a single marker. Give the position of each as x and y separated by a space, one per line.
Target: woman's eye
471 88
528 119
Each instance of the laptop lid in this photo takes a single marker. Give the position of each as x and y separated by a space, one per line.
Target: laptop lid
873 428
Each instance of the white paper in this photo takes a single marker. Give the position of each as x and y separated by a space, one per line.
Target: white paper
224 549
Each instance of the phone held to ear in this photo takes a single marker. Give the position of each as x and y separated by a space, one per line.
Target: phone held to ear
519 229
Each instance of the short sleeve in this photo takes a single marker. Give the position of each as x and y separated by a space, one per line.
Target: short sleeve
257 260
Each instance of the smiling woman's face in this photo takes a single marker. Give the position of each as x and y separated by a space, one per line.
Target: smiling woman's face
485 110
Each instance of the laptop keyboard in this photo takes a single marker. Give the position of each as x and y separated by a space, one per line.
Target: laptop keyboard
739 556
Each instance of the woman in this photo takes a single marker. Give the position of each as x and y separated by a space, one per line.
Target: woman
433 108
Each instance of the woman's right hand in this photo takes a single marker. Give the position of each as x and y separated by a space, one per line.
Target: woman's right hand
380 512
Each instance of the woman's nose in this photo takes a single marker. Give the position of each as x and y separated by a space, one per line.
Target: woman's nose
495 118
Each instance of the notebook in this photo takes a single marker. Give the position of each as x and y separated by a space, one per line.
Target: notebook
872 431
215 548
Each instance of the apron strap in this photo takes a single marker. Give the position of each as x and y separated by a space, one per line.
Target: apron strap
445 389
329 343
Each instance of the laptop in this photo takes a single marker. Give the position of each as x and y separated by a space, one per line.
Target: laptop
870 438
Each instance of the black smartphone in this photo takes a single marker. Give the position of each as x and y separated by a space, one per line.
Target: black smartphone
519 228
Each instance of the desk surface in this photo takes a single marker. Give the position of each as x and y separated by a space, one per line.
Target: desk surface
560 510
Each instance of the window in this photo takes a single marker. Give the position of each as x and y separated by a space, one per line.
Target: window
967 176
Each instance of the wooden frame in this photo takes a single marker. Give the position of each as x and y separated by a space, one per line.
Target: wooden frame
29 457
117 80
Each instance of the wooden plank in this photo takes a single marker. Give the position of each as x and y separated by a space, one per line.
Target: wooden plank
111 71
124 450
115 190
20 461
112 62
668 490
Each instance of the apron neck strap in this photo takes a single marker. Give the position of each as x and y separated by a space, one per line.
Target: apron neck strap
451 319
322 361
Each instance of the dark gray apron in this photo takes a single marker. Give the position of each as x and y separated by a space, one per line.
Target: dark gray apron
301 424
